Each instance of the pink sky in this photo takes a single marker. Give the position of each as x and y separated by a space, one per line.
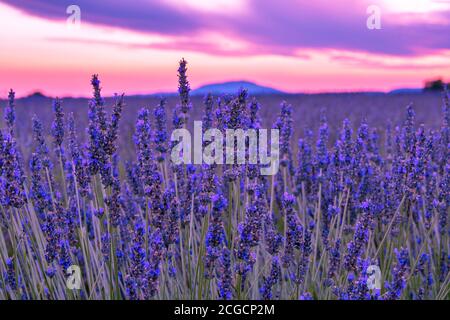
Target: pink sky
291 45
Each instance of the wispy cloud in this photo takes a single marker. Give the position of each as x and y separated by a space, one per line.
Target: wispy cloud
430 63
283 26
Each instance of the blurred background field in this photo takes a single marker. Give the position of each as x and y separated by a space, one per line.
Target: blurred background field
377 109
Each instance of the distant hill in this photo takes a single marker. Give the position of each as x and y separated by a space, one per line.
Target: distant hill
233 86
406 91
37 95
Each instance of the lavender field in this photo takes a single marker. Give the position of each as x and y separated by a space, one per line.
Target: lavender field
363 185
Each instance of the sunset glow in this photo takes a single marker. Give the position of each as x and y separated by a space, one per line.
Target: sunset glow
293 46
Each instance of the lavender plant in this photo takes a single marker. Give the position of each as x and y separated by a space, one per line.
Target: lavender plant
144 228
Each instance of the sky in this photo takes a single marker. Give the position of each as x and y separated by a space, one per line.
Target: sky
291 45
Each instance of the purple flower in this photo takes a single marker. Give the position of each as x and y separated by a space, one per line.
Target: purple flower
408 131
106 246
249 234
78 162
225 276
160 134
100 144
171 218
284 124
113 203
399 275
110 143
58 127
52 235
305 167
270 281
355 247
12 192
444 266
215 238
138 258
254 119
10 277
334 261
50 272
294 231
157 252
207 120
131 287
183 87
444 197
306 296
64 255
148 171
346 149
298 276
273 238
322 152
38 193
41 148
10 112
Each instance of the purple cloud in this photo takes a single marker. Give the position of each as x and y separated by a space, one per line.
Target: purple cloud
339 25
139 15
282 27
